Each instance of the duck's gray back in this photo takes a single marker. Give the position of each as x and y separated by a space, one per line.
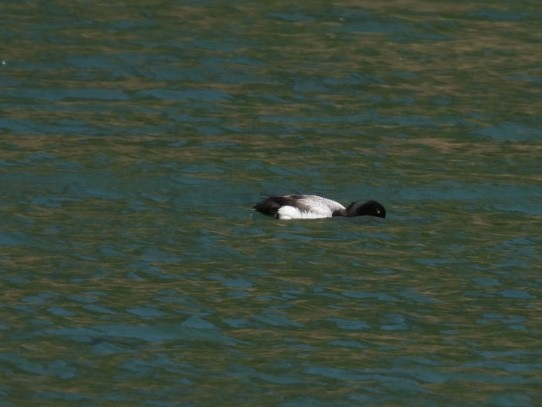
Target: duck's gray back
317 204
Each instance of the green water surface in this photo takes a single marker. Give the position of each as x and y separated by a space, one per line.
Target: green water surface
135 138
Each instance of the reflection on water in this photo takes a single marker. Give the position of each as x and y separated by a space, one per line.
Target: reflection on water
135 141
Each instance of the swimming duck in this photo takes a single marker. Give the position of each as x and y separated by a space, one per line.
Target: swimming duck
315 207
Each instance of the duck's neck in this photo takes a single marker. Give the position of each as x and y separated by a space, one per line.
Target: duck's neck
340 212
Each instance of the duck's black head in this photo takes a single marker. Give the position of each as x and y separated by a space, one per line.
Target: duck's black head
370 208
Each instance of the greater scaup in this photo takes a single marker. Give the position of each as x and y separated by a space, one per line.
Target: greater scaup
315 207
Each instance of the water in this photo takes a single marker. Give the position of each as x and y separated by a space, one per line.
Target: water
136 137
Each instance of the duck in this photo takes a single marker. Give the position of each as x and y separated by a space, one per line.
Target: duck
316 207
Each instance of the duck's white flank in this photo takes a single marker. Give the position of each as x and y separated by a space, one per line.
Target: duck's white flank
316 208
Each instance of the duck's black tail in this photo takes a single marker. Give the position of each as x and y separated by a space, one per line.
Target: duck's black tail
270 206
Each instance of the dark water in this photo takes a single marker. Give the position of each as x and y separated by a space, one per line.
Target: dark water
134 138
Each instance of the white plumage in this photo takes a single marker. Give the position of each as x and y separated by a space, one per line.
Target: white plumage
310 207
